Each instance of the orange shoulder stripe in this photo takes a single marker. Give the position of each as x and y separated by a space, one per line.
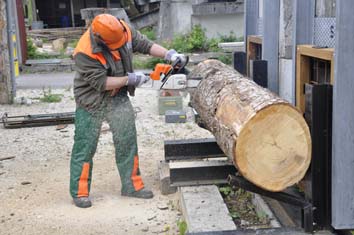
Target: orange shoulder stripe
84 46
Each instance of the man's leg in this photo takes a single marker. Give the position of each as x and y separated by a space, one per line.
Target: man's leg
87 131
121 119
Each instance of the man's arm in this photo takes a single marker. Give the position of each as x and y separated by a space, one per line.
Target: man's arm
158 51
115 82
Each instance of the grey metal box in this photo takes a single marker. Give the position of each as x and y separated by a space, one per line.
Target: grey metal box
174 116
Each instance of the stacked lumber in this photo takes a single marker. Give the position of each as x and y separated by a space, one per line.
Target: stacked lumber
52 34
267 138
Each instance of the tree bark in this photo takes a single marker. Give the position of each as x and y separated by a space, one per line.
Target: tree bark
267 139
6 91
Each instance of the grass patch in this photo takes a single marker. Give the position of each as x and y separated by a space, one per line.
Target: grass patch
241 208
34 54
73 43
49 97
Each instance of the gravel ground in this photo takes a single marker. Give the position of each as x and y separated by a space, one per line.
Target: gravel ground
34 195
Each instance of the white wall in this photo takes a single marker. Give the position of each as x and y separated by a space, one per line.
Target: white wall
217 25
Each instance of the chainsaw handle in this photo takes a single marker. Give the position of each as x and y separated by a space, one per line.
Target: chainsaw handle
181 67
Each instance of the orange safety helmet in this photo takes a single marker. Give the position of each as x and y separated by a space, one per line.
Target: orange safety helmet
110 30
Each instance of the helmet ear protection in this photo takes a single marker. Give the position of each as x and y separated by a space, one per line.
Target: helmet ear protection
124 30
100 40
108 31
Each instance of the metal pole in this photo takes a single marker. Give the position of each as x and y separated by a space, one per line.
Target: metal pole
10 31
72 13
343 119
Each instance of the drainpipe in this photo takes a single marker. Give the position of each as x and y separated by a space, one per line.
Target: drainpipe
10 32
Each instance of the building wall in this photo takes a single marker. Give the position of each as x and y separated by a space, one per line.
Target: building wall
326 8
217 25
176 17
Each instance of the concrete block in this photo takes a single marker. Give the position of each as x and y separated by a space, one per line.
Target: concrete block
262 207
204 209
286 29
164 179
232 46
286 84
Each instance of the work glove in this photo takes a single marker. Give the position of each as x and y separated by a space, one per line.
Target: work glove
137 79
173 56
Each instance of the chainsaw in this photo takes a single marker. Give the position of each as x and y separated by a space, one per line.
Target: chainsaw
173 76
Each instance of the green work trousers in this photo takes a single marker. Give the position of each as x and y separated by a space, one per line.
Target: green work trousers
119 113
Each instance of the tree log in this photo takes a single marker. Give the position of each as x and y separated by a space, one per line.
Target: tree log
267 138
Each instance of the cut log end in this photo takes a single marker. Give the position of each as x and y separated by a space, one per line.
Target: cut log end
267 139
274 148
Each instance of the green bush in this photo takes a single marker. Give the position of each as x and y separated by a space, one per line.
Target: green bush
149 32
196 41
226 59
228 38
149 63
179 43
213 45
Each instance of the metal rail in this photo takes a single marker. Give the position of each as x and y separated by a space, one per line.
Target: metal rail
11 122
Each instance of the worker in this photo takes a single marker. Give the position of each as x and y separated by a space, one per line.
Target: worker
104 76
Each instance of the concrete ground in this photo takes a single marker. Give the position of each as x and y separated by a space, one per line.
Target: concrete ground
34 196
53 80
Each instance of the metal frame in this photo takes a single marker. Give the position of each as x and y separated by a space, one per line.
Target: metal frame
11 122
319 116
270 47
306 206
187 173
192 149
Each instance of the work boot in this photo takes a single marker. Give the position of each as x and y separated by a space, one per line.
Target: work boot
144 194
82 202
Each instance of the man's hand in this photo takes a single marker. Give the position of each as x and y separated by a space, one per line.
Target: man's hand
137 79
173 56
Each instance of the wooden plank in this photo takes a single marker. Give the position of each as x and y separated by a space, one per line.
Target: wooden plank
320 53
253 42
255 39
303 59
302 77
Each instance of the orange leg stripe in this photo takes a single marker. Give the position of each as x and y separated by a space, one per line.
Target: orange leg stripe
83 182
137 180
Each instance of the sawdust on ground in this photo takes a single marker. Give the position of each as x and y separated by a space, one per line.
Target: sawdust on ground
34 186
